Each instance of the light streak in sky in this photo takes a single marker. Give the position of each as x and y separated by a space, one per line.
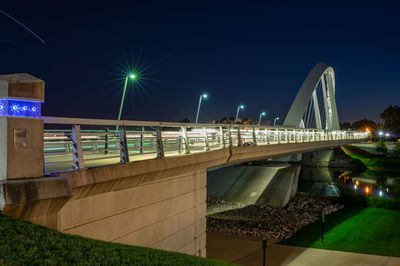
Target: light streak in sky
22 25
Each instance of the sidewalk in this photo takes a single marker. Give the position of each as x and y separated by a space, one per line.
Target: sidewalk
248 252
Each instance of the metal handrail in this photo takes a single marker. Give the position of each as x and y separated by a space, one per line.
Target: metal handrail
178 138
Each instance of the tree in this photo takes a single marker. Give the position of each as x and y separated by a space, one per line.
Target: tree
363 125
381 146
185 120
345 125
391 116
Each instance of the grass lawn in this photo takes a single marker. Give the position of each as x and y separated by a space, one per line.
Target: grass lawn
355 229
23 243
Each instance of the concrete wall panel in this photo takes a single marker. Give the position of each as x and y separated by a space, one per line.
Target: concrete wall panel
150 235
92 208
166 214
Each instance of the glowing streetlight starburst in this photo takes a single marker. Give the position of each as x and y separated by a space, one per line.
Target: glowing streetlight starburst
204 95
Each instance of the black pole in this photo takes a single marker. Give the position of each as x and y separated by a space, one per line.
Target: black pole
322 225
264 247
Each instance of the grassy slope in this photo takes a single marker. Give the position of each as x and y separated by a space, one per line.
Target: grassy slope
361 230
26 243
373 161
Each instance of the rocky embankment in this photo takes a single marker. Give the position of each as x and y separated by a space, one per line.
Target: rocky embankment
258 221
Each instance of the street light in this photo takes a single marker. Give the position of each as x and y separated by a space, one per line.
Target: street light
261 115
204 95
380 133
276 119
131 76
237 112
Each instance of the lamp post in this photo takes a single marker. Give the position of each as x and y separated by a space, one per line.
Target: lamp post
237 112
261 115
276 119
204 95
129 76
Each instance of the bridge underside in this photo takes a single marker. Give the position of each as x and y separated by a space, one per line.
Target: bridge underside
158 203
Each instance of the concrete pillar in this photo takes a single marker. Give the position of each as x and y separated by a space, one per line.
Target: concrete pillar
21 128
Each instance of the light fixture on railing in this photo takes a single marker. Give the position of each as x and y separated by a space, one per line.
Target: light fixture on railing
14 107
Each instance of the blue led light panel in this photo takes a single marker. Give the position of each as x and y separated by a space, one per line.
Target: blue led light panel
20 108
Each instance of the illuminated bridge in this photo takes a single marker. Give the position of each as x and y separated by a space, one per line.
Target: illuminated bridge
139 182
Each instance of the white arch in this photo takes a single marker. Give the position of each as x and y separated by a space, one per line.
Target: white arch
320 73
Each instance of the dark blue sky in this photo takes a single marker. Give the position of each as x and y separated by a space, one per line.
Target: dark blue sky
253 52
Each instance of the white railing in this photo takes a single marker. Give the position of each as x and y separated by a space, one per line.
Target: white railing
74 143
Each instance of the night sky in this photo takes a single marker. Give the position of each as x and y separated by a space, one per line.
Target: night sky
256 53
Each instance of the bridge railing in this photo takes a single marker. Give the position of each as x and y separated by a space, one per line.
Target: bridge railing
73 143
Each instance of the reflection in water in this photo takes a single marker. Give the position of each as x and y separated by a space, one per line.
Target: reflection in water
318 180
333 182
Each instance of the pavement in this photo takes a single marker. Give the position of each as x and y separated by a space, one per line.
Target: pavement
249 252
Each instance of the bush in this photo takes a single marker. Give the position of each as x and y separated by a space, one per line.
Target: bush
397 147
351 199
381 146
383 203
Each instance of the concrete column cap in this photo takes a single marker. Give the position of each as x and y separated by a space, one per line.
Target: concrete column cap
21 86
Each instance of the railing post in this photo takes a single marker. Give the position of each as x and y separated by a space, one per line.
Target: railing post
222 137
160 148
123 146
106 141
239 137
267 133
94 145
185 139
286 136
254 137
279 136
77 154
207 144
230 137
141 149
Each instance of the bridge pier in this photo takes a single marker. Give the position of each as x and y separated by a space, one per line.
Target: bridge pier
270 184
320 158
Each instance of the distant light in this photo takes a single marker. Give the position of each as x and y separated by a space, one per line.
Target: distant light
355 187
380 133
387 134
263 113
277 118
242 106
34 109
205 95
357 183
25 108
380 193
387 189
15 107
367 129
367 190
132 76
